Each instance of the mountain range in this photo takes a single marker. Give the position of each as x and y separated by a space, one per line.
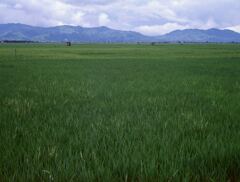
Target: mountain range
105 34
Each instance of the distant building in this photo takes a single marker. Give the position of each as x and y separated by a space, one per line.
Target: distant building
153 43
69 44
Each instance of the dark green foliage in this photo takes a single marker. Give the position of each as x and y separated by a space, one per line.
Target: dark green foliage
120 113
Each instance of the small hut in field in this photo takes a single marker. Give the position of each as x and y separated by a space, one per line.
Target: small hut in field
68 43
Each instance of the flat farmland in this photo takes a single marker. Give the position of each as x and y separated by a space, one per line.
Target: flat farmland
119 112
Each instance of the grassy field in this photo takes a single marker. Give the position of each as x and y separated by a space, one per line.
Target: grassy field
120 113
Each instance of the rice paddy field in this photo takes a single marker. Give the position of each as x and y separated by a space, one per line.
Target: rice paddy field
119 112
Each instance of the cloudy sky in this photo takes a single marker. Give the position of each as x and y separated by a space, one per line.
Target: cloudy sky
150 17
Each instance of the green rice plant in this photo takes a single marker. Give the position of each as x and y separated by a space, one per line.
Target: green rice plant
120 112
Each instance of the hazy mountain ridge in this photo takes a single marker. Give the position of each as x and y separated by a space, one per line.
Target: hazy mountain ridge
104 34
196 35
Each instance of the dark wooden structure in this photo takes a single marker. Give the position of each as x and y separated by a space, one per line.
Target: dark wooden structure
153 43
69 44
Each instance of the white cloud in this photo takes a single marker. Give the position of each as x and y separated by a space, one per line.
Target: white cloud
103 19
18 6
160 29
235 28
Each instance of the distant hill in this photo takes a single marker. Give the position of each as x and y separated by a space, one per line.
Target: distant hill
67 33
104 34
196 35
